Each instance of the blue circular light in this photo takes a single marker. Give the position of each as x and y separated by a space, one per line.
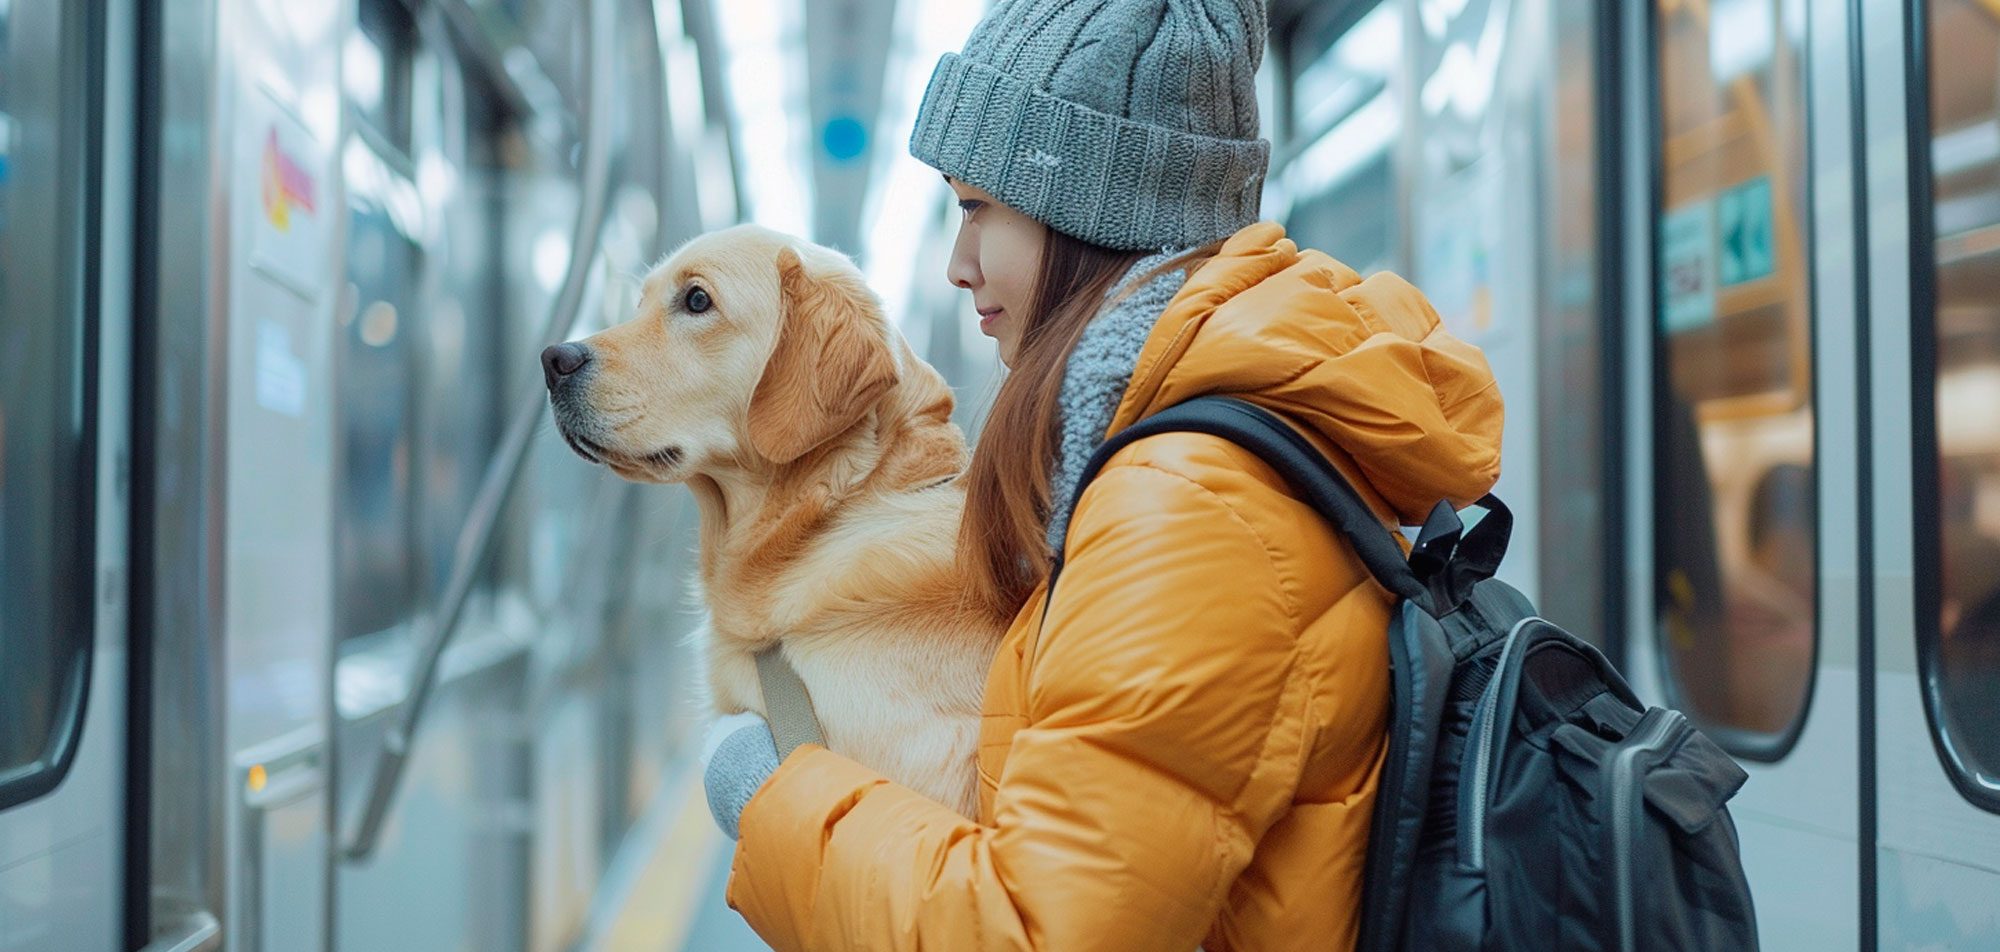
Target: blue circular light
845 138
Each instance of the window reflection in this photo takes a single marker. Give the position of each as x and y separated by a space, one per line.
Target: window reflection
375 68
45 630
1965 169
377 584
1343 103
1734 506
418 378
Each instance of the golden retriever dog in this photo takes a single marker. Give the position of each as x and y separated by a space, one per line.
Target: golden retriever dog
760 372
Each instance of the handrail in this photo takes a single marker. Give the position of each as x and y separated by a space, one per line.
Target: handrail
504 468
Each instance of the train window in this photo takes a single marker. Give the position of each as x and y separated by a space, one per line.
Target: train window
1736 549
45 429
376 574
1342 108
376 68
418 364
1961 633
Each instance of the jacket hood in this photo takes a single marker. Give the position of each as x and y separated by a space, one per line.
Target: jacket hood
1365 365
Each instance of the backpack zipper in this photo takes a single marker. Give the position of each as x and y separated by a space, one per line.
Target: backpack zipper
1482 755
1624 781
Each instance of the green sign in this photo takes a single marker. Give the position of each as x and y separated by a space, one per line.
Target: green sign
1743 226
1687 267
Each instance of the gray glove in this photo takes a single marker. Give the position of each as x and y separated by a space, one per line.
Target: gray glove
738 755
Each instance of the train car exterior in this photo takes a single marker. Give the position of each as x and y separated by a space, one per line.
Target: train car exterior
314 637
273 482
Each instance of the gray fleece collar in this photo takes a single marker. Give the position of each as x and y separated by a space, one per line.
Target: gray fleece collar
1095 378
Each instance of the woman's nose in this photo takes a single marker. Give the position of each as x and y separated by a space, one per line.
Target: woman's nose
962 268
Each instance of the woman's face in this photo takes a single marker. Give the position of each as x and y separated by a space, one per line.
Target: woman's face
996 257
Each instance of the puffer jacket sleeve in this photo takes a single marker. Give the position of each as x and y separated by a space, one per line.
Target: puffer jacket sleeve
1154 758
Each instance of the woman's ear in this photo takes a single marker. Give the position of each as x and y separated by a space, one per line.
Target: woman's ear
831 366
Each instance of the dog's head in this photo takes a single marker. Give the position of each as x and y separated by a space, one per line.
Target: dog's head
745 342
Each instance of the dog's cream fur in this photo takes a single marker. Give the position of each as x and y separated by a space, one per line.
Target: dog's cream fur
822 456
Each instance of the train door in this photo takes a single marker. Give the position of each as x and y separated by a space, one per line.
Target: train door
1933 106
1743 571
64 252
237 227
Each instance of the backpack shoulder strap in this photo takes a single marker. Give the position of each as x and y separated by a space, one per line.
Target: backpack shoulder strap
1310 475
1448 559
787 702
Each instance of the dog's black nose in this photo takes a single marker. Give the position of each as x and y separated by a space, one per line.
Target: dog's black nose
561 360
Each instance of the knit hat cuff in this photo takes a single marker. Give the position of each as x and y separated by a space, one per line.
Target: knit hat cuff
1104 179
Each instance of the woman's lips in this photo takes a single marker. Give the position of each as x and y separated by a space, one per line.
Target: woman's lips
986 317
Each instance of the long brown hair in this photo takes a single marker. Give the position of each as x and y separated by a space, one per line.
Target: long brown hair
1001 549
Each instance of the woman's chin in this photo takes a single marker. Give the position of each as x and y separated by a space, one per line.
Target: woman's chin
1006 343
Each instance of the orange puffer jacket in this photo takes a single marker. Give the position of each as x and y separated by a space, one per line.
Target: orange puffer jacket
1186 752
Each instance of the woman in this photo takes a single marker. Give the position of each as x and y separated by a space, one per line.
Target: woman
1185 751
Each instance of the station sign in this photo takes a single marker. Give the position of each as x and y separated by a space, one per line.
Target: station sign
287 190
1687 267
1743 217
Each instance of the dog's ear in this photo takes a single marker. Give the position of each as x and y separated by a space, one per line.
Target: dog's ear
830 368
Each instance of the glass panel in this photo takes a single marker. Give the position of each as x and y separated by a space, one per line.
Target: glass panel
1343 103
44 443
419 377
376 66
1572 336
377 575
1964 649
1734 450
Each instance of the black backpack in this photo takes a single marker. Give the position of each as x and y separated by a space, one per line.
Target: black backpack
1528 800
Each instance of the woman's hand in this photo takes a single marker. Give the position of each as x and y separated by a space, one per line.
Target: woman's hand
737 756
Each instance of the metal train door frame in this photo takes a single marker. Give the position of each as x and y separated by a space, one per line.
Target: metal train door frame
1802 816
1936 854
61 848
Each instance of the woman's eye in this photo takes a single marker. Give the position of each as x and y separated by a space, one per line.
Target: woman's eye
969 206
697 301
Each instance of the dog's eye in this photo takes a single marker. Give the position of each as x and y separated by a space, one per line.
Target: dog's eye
697 301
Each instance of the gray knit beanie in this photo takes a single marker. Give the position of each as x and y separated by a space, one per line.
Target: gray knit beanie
1130 124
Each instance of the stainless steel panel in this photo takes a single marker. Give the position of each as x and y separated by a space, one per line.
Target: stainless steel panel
278 120
1932 904
1793 869
283 122
179 343
279 826
1923 818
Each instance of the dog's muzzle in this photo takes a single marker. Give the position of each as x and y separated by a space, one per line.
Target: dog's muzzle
563 370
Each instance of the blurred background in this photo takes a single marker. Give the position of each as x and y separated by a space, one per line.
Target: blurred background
314 636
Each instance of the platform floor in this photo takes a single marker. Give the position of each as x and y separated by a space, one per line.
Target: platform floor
716 927
664 891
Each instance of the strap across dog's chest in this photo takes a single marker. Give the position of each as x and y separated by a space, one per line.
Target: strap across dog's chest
787 703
